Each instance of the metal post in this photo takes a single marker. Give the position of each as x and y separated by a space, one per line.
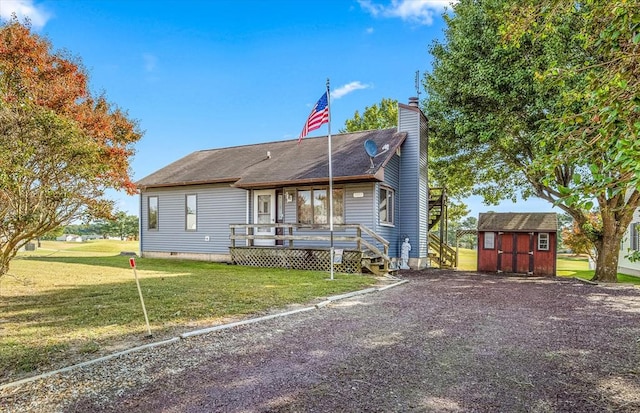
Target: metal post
330 182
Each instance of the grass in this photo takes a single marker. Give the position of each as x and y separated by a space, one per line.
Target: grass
467 259
68 301
566 266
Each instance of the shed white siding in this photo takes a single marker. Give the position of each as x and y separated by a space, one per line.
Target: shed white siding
630 243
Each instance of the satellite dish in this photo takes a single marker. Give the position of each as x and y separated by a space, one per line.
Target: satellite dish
371 148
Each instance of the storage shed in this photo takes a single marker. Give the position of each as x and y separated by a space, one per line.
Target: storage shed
523 243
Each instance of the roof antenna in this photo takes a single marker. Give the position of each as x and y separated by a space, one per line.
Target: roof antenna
417 84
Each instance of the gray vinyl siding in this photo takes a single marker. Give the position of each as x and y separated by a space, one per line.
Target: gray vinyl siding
217 207
391 180
363 210
358 210
411 195
290 207
423 198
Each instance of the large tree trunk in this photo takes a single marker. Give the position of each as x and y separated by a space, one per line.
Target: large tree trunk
4 265
607 261
615 220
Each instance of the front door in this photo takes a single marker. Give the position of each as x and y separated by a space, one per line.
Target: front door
264 212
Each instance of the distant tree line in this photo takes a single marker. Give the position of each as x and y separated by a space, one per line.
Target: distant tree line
122 226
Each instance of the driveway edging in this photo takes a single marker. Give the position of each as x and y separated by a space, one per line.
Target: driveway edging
194 333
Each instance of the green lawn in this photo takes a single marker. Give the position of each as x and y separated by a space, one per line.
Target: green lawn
467 259
566 266
70 301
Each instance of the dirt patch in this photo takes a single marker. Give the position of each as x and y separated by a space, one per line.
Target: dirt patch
446 341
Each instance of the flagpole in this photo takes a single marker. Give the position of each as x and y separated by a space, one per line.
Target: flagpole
331 250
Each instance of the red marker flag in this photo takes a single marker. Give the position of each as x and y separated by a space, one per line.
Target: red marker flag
132 262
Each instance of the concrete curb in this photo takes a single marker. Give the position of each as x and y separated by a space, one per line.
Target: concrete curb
243 322
386 287
89 362
194 333
352 294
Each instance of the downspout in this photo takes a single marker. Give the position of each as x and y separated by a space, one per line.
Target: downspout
399 207
140 227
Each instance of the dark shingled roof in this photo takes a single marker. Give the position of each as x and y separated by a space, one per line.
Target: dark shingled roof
518 221
307 163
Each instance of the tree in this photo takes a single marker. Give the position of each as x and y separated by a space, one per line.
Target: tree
466 241
565 221
374 117
503 126
385 115
60 147
122 225
578 239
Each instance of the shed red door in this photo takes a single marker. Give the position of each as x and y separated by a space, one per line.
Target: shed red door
505 252
515 253
524 253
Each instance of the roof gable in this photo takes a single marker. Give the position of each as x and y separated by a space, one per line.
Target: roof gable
283 162
518 221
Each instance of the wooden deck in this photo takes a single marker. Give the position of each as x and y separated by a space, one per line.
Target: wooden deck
365 251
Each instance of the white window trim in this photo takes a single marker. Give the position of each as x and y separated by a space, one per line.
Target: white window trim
186 212
634 236
486 245
543 237
323 188
388 223
149 213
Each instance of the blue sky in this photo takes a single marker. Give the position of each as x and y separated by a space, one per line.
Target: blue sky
201 74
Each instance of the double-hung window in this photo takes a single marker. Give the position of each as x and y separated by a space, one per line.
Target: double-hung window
543 241
313 206
634 235
489 240
386 211
152 212
191 212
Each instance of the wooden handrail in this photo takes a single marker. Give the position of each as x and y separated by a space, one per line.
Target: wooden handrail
444 251
357 238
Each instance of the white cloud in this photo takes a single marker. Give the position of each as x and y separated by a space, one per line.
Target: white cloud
415 11
348 88
369 30
24 10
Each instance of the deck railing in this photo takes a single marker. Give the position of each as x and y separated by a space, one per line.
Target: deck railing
290 233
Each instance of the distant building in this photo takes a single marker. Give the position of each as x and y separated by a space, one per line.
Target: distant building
70 238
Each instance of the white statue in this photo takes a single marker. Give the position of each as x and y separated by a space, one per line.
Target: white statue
404 254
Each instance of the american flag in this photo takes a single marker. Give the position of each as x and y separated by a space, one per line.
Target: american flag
318 116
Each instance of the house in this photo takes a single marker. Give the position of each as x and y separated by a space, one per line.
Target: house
523 243
70 238
267 204
630 243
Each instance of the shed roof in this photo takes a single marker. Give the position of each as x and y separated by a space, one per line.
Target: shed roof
518 221
281 163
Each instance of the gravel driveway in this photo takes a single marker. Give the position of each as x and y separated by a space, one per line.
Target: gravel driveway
444 342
